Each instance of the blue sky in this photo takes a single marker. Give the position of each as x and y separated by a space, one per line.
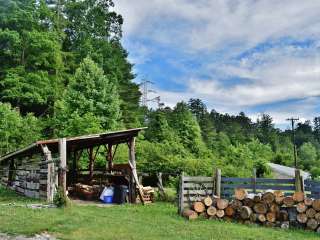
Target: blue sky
236 55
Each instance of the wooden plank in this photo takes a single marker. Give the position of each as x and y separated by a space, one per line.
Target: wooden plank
277 181
197 185
249 185
202 192
197 179
234 179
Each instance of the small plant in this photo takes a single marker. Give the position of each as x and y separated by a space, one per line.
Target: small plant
60 199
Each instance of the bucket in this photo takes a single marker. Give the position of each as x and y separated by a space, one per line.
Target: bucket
108 199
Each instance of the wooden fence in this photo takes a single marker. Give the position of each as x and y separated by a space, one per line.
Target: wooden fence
195 188
312 187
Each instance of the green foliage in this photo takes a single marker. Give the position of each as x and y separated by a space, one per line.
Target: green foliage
60 199
307 155
90 104
15 130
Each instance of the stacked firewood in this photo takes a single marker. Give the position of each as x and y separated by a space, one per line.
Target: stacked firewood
271 208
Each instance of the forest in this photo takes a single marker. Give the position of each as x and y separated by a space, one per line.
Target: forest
64 72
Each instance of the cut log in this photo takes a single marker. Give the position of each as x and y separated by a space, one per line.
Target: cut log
317 216
240 193
229 211
312 224
261 218
301 207
211 211
308 201
298 196
254 217
302 218
268 197
198 207
245 212
189 214
278 193
285 225
274 208
260 208
311 213
236 204
207 201
257 197
288 201
222 203
316 204
220 213
248 202
279 200
271 217
283 215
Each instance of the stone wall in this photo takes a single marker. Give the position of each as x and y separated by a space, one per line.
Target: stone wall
29 178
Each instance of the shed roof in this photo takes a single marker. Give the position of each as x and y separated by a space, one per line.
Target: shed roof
76 143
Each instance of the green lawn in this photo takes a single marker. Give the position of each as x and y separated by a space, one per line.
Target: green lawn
157 221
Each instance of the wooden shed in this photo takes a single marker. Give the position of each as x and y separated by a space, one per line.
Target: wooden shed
38 169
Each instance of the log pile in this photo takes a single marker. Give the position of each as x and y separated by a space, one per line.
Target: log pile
271 208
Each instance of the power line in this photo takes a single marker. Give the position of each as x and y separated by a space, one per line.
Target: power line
293 120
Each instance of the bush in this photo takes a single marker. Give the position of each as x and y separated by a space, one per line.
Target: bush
60 199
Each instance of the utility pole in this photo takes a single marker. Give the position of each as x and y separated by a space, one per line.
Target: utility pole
293 120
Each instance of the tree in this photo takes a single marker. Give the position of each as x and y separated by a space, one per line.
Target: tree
307 155
91 101
16 131
31 56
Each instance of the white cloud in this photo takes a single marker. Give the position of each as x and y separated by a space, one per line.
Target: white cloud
213 24
226 28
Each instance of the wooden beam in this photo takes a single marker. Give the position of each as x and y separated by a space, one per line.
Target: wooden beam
132 163
63 164
91 163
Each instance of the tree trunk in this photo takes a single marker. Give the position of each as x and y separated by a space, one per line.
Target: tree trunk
260 208
207 201
220 213
160 185
268 197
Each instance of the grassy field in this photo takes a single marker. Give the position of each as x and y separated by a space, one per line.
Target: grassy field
157 221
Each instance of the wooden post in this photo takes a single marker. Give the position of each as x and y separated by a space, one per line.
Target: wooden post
132 163
51 175
298 182
63 164
181 202
218 183
74 166
91 163
254 180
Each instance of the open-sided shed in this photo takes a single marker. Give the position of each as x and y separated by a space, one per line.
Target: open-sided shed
38 169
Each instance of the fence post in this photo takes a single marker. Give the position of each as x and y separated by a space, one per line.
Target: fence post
298 181
181 197
254 180
218 183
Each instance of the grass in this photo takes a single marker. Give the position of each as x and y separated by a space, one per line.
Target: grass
157 221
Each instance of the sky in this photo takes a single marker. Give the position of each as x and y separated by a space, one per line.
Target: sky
256 56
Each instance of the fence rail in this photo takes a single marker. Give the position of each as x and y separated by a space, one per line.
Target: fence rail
195 188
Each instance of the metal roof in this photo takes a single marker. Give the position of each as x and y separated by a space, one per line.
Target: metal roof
76 143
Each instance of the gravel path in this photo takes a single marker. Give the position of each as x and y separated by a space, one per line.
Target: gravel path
42 236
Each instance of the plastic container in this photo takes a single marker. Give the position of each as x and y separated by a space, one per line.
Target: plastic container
108 199
107 195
